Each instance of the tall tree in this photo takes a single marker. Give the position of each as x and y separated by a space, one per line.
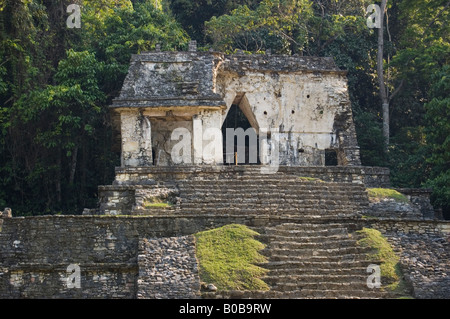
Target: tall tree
438 138
193 13
383 80
55 86
384 94
276 24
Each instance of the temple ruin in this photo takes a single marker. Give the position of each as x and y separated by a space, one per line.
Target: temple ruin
189 126
300 105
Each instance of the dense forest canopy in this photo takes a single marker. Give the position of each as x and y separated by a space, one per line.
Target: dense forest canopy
56 82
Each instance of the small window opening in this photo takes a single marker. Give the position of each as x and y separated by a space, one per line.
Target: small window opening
331 157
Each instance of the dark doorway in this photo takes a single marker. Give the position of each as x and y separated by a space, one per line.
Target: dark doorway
331 157
237 120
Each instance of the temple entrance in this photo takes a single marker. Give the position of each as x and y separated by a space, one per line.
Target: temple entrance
331 158
236 129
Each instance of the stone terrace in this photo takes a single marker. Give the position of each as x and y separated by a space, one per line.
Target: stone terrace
307 217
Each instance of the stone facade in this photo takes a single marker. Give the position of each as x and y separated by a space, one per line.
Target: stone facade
126 257
168 268
298 107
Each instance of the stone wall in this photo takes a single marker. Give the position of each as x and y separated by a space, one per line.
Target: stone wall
420 197
35 253
425 262
114 253
424 251
168 268
392 225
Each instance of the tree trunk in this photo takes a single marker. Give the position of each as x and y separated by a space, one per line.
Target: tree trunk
58 178
380 70
73 166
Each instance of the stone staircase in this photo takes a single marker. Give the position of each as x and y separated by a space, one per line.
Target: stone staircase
311 239
312 261
274 195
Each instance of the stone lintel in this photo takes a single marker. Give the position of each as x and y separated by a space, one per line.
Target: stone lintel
169 103
170 112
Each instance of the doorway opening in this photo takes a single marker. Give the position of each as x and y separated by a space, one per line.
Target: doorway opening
331 158
245 148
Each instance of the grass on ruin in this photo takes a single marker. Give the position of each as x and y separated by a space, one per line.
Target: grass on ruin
157 205
227 258
382 193
391 274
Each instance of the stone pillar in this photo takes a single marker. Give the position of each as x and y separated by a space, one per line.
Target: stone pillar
136 139
212 137
197 139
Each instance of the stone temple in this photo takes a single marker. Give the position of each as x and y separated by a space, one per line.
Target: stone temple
207 115
299 104
209 140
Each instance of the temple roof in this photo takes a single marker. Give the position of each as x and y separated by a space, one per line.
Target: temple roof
171 79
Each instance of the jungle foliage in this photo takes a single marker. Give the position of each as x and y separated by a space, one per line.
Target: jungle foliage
56 83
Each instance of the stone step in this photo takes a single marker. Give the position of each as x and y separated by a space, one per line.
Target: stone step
308 229
248 212
323 245
274 189
270 196
259 191
320 285
306 265
337 294
153 212
281 257
266 178
316 275
298 280
271 209
313 252
304 238
300 294
273 180
268 186
265 205
229 198
271 212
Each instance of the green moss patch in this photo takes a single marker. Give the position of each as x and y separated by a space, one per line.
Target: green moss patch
157 205
227 258
383 193
391 274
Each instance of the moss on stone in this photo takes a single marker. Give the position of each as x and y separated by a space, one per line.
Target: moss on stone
157 205
227 258
391 273
386 193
